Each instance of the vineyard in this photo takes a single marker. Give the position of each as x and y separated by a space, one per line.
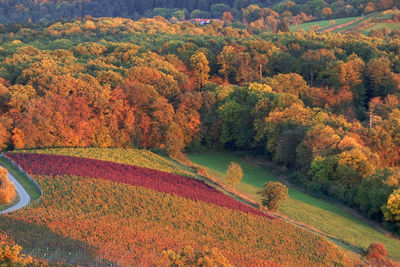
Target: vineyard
89 220
375 20
52 165
137 157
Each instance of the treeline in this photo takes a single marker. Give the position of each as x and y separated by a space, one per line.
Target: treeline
20 11
325 105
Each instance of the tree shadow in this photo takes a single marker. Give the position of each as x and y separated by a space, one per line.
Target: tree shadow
42 243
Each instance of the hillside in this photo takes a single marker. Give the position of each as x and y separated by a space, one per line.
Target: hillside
79 216
331 219
364 24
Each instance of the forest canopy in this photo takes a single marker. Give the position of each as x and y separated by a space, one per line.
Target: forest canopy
325 105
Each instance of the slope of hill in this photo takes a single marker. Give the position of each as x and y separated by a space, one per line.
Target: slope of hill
374 21
87 220
331 219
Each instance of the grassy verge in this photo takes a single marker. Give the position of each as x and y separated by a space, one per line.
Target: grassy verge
15 201
325 216
31 188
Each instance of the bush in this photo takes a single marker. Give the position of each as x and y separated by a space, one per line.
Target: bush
7 189
376 251
273 194
189 257
10 256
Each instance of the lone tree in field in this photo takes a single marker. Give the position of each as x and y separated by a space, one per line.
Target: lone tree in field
273 194
234 174
7 189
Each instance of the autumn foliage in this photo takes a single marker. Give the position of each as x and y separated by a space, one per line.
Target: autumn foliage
273 194
7 189
376 251
11 255
78 216
52 165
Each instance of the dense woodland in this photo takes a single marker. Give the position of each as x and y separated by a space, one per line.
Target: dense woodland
54 10
324 105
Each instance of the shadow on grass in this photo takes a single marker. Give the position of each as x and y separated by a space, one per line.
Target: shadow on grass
42 243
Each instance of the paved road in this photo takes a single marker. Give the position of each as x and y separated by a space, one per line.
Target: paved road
24 197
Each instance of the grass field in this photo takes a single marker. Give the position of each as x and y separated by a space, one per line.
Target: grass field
375 17
31 188
301 207
390 26
322 23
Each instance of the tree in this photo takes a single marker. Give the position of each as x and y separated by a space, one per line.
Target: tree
227 17
379 77
273 194
10 256
189 257
283 25
316 60
234 174
376 251
201 69
391 210
7 189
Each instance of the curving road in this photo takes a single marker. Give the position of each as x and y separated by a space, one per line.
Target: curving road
24 197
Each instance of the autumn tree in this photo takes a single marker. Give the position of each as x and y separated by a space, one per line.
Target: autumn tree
4 135
234 174
7 189
192 258
11 256
376 251
391 210
273 194
200 67
227 17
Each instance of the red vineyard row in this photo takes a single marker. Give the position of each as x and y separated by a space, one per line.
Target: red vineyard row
52 165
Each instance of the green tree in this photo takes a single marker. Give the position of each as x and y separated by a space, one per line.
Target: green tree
273 194
234 174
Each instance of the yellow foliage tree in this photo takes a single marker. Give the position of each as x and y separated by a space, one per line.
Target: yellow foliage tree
7 189
189 257
10 256
391 210
234 174
200 66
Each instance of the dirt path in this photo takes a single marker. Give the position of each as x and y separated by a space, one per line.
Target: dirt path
24 197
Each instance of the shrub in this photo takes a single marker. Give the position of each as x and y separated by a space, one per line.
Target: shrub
7 189
10 256
189 257
376 251
273 194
